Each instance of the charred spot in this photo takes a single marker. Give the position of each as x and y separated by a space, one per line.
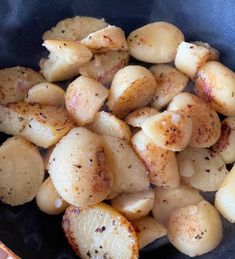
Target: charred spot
100 229
223 141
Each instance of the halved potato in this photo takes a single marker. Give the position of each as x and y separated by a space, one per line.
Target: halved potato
15 83
148 230
43 125
134 205
132 87
105 123
48 199
83 98
206 123
64 59
195 229
130 174
161 163
100 231
45 93
79 170
167 200
170 82
75 28
21 171
201 168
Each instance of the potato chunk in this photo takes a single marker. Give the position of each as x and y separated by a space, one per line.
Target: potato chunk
21 171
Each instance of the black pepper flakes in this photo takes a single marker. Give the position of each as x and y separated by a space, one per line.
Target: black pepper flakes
100 229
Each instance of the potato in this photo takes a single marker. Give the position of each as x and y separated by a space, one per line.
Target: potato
15 83
161 163
137 117
100 231
225 145
134 205
42 125
46 156
132 87
206 124
225 197
75 28
196 229
83 98
148 230
130 174
104 66
169 130
105 123
215 83
170 82
191 56
155 42
21 171
64 59
45 93
79 170
167 200
106 39
201 168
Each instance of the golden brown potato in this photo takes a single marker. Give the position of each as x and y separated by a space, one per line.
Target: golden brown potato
195 229
74 29
206 124
64 59
161 163
83 98
170 82
215 83
132 87
21 171
79 170
155 42
48 199
15 83
100 231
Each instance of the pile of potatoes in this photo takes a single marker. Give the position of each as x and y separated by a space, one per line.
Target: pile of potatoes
132 135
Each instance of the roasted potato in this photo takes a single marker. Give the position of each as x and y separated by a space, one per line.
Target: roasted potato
195 229
132 87
83 98
100 231
206 124
161 163
21 171
15 83
170 82
46 156
155 42
134 205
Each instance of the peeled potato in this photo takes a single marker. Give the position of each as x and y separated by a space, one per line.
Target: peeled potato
191 56
79 170
215 83
169 130
48 199
134 205
170 82
132 87
201 168
64 59
161 163
46 156
196 229
206 124
45 93
83 98
21 171
225 145
155 42
15 83
148 230
167 200
100 231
